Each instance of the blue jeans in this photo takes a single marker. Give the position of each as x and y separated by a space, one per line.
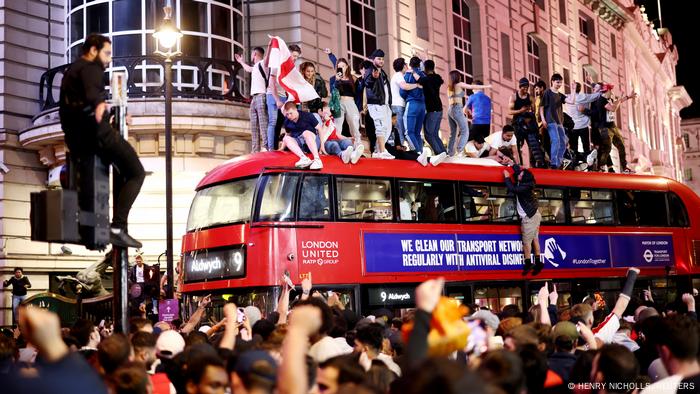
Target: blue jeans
398 111
272 120
432 131
16 300
413 117
558 143
336 147
456 118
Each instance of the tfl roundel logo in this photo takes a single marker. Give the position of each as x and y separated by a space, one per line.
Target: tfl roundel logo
648 256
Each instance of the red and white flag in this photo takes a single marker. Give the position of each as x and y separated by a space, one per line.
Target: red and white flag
288 75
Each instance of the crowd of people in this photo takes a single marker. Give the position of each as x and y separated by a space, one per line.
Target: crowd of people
405 111
313 344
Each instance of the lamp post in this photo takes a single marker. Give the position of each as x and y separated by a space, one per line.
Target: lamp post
168 36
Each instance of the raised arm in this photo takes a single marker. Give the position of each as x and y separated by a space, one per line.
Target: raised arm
197 315
543 303
466 86
331 57
292 377
245 66
228 340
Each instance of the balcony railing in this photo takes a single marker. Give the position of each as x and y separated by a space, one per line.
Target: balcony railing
193 77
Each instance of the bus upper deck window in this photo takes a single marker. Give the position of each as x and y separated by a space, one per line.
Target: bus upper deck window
364 199
314 199
222 204
591 206
678 214
427 201
278 197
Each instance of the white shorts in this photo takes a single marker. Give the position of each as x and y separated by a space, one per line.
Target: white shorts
381 115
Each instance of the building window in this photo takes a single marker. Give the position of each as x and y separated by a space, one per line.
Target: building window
534 69
567 81
688 174
505 55
588 80
613 46
422 21
562 11
586 27
686 140
361 30
540 3
462 39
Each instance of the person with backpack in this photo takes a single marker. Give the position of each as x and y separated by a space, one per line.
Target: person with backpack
258 95
520 108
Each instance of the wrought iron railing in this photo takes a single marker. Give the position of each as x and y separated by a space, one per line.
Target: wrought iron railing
193 77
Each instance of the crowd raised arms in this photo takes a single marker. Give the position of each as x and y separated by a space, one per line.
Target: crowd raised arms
402 113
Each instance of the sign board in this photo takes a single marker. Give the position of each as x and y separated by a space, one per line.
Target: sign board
204 265
393 296
412 252
168 310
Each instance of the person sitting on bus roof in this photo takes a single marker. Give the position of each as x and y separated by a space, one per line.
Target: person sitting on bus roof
302 132
333 143
504 138
478 148
528 209
400 152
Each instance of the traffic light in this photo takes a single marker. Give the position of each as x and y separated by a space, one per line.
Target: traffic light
78 213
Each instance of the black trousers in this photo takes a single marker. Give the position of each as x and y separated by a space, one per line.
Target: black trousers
585 140
479 129
371 132
89 137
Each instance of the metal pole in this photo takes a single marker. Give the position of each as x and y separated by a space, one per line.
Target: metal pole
120 300
169 175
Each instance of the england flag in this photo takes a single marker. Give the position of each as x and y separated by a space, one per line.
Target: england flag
288 76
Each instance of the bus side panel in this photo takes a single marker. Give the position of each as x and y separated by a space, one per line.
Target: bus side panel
331 253
269 250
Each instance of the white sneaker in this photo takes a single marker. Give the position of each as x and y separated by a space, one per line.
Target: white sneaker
316 164
377 155
423 158
388 156
303 162
590 159
436 160
347 153
357 154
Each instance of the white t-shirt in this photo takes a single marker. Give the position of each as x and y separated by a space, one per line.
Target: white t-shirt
471 148
396 99
280 90
496 140
405 210
257 80
139 274
329 347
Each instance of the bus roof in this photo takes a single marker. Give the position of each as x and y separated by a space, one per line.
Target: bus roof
254 164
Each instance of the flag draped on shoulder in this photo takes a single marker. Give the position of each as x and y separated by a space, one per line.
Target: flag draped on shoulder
288 76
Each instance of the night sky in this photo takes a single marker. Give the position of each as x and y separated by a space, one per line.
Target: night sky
680 17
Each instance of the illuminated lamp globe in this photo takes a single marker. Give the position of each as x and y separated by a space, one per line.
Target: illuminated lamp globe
167 35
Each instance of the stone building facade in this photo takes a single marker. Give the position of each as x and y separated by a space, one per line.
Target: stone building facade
497 41
691 143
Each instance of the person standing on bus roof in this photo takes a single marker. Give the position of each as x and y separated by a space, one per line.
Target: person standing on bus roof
302 132
528 209
258 97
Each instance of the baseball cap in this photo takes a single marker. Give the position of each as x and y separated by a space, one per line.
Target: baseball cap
487 317
376 53
524 82
565 328
606 87
169 344
258 363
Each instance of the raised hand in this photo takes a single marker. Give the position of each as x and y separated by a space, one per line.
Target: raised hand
553 296
428 294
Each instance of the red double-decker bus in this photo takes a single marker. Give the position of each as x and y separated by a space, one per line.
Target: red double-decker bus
373 230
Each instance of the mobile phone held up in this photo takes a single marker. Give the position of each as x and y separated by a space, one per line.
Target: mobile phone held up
241 315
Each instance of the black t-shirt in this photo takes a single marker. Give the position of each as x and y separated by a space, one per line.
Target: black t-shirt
599 115
83 86
431 90
306 121
552 103
689 385
19 286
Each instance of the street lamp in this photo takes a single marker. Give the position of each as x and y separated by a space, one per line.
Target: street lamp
168 36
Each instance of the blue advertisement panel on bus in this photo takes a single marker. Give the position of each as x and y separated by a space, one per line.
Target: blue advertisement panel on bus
412 252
